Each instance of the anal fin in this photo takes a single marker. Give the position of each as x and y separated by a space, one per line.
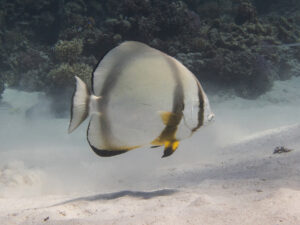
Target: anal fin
111 152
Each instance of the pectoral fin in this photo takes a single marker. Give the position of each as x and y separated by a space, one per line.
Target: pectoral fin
169 118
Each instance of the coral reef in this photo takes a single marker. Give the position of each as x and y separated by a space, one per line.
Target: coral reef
68 51
61 82
233 44
63 75
1 86
246 12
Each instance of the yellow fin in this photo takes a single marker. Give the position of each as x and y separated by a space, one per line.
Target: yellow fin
170 118
175 145
170 148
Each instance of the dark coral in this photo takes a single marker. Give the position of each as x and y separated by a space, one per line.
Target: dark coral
246 12
1 86
248 74
279 6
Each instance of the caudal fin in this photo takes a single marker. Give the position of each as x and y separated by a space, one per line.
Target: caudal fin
80 104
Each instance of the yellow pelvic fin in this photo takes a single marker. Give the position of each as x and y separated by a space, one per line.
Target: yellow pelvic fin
170 148
171 121
167 136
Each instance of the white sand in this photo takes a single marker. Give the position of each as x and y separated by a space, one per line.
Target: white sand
225 174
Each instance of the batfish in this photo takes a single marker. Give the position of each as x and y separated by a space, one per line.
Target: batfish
140 96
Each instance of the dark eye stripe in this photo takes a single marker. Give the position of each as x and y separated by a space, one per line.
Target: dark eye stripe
201 108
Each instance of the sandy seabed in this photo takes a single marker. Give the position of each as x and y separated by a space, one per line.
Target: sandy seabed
225 174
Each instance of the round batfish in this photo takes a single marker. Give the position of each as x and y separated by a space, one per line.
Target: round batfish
140 97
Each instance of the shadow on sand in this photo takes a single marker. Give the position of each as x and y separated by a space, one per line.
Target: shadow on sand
120 194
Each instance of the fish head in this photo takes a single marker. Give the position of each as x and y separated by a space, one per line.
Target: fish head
209 116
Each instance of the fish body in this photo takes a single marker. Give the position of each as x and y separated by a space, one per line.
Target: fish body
140 97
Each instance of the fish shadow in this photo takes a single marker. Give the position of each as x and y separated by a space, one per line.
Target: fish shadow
120 194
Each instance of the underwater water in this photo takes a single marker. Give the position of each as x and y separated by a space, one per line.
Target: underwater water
39 160
39 157
245 54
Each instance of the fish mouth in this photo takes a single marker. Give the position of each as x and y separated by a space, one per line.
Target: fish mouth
211 117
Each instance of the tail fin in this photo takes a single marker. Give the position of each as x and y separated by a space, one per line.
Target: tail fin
80 104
